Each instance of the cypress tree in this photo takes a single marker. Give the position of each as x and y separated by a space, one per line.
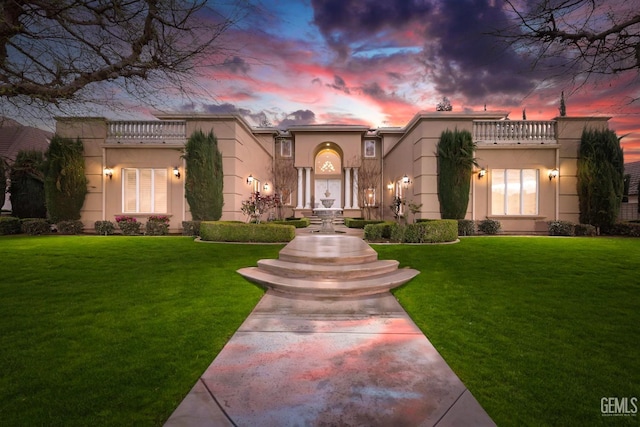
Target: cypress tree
600 178
27 185
3 180
204 177
455 163
65 180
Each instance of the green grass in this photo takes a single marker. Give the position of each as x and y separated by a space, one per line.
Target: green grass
115 330
539 329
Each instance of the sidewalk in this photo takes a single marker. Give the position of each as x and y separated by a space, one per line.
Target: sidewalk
309 360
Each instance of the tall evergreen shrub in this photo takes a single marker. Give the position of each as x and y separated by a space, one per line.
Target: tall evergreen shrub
65 180
204 177
3 180
600 178
455 165
27 185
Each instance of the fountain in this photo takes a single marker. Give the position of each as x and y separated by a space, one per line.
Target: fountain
327 214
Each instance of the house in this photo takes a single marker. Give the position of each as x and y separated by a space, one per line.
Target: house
629 208
15 137
526 174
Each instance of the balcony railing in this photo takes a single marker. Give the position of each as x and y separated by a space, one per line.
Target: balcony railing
151 131
514 131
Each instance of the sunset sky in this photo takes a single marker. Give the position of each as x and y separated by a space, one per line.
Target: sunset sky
380 62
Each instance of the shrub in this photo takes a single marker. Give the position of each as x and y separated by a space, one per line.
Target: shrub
561 228
9 225
104 227
466 227
359 222
191 228
297 223
629 229
35 226
70 227
429 231
157 225
204 177
128 225
584 230
455 163
65 181
224 231
27 185
489 226
378 231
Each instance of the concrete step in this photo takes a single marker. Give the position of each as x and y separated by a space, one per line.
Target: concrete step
329 287
328 249
327 271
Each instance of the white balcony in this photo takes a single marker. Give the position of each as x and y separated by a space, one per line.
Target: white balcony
172 132
503 132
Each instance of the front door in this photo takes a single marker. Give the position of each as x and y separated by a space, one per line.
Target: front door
334 186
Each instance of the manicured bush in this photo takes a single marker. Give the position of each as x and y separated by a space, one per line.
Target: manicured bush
489 226
65 182
204 176
629 229
584 230
27 185
466 227
9 225
429 231
455 163
35 226
191 228
157 225
359 222
297 223
128 225
225 231
104 228
70 227
561 228
378 231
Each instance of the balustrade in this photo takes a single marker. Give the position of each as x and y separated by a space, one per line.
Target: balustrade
514 131
167 131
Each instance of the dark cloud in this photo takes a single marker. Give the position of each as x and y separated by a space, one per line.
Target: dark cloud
339 84
299 117
226 108
236 65
375 91
343 22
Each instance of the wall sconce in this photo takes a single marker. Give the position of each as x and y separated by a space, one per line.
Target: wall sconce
553 173
266 186
481 173
390 186
108 172
250 180
176 172
406 181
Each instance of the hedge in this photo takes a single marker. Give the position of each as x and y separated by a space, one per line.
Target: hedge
9 225
359 222
430 231
70 227
224 231
35 226
297 223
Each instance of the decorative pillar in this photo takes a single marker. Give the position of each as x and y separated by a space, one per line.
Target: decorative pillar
299 198
347 188
307 195
355 189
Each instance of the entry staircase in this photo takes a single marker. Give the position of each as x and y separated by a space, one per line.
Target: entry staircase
315 220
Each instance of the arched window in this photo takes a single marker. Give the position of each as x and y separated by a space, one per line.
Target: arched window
328 163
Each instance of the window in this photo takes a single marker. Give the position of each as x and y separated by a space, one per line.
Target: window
328 163
144 190
514 191
370 148
285 148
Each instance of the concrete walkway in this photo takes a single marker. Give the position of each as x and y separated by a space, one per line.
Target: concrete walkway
313 360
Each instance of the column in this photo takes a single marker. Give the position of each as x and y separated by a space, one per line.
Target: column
307 195
347 188
299 198
355 189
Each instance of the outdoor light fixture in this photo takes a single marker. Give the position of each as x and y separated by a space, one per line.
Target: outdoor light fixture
482 172
390 186
553 173
266 186
176 172
250 179
108 172
406 181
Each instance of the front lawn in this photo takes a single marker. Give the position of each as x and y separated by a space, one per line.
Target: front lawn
539 329
115 330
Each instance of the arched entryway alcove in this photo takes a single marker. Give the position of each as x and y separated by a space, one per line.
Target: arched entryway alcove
328 174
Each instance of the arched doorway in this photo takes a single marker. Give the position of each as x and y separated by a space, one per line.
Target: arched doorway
328 176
